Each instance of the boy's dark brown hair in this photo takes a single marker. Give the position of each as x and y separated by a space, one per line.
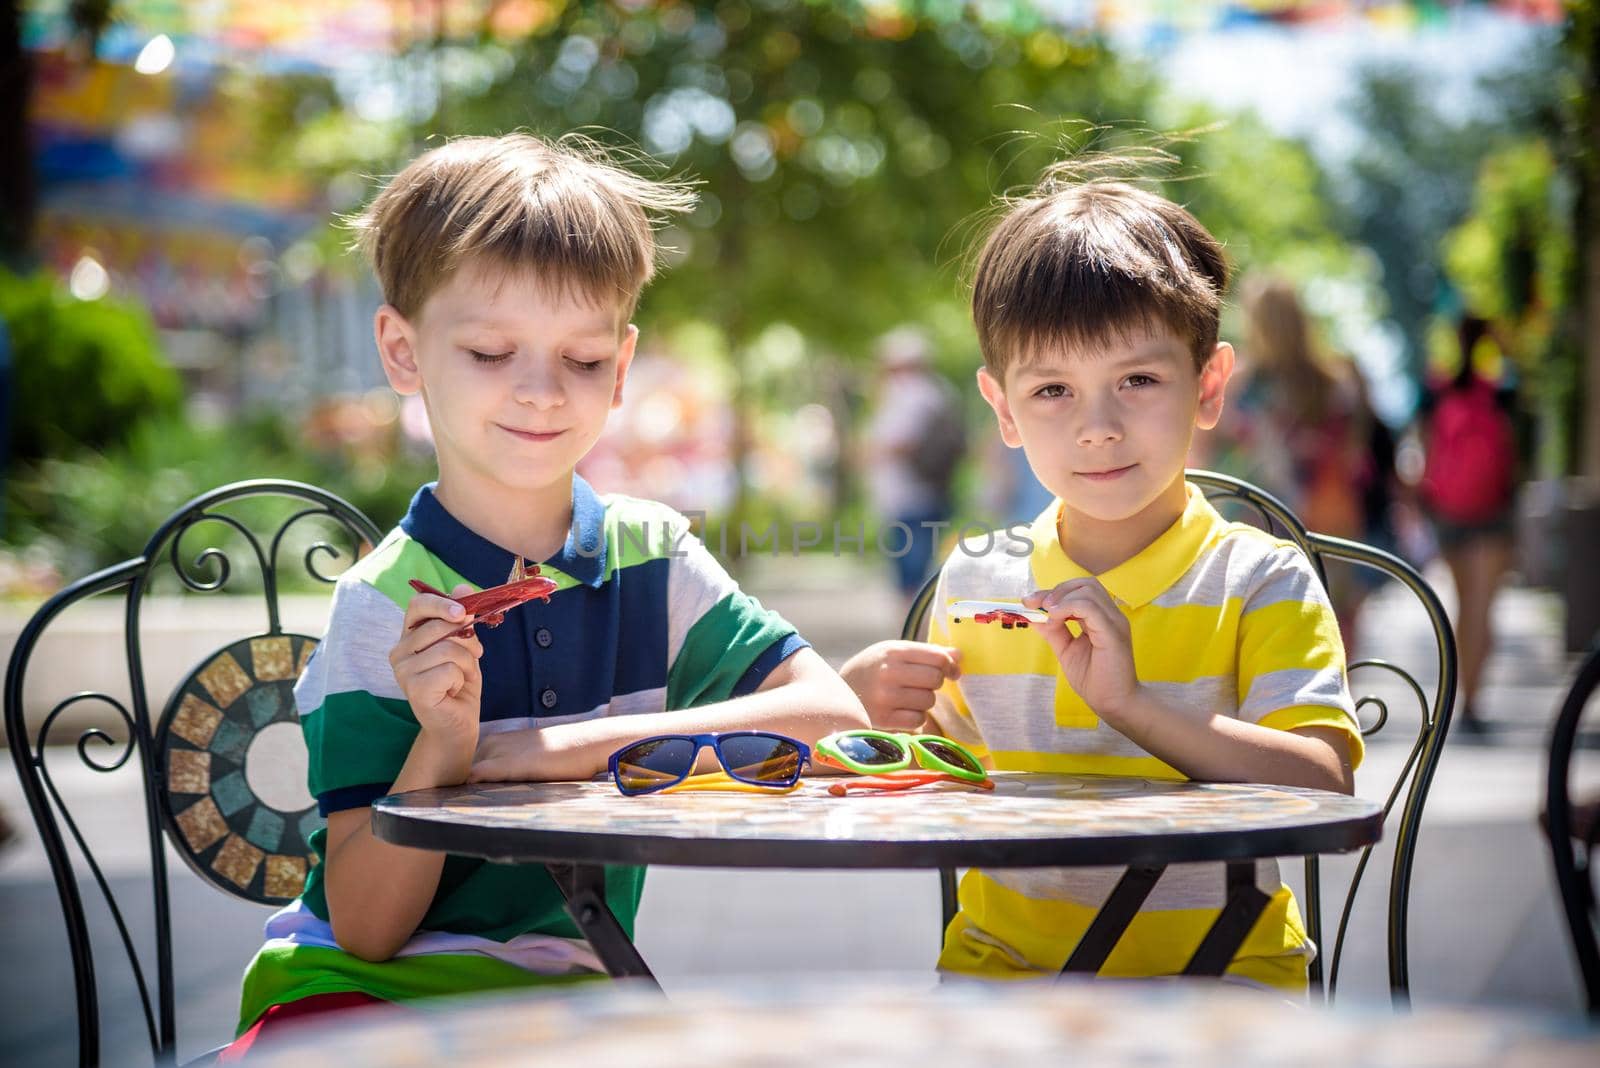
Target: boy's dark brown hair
1075 263
563 209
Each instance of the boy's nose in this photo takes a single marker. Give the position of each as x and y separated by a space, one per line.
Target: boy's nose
539 387
1099 427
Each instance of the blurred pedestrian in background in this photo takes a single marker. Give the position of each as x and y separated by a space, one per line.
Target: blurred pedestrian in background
1303 429
915 441
1468 482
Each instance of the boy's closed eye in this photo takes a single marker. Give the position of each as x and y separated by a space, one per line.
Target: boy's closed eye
577 361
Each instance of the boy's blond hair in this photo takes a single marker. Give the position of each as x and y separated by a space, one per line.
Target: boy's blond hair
1075 263
563 209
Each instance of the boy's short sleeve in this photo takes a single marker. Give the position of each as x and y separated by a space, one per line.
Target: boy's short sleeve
720 642
1291 668
358 725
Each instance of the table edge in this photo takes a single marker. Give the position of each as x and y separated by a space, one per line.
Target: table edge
532 845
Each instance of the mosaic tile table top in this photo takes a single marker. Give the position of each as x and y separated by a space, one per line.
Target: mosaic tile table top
772 1025
235 766
1028 820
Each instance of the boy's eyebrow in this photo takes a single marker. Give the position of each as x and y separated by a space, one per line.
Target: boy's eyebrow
597 329
1046 367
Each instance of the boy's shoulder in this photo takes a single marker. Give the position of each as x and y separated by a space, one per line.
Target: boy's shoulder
388 568
998 563
621 510
1259 548
1233 559
1241 561
640 531
381 580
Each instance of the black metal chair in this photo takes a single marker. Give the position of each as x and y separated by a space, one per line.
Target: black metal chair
192 758
1416 774
1573 830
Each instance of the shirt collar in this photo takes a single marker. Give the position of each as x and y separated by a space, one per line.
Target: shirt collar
483 563
1140 579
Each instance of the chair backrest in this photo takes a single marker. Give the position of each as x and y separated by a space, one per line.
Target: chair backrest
1416 773
242 828
1571 850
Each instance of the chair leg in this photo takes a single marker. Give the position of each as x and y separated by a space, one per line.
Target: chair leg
947 898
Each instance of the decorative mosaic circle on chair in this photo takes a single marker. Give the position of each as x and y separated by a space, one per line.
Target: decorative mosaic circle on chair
235 793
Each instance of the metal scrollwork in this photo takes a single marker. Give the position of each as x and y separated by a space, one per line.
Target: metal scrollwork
1425 712
92 734
211 554
309 560
1383 713
267 560
96 734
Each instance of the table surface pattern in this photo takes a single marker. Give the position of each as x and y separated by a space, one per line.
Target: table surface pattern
1023 808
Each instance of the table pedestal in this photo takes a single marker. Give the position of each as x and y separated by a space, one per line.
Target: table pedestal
584 887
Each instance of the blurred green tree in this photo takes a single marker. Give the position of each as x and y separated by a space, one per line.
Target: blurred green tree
837 145
1512 261
1412 177
85 373
1268 200
847 152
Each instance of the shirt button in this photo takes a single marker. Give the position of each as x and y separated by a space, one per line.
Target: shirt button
543 637
548 698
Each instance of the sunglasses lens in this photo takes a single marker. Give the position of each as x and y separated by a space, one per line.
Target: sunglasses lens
869 751
763 758
654 763
951 755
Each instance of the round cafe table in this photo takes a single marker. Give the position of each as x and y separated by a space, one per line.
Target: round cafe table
1028 820
771 1024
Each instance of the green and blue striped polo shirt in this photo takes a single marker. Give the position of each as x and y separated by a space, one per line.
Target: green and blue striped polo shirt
643 619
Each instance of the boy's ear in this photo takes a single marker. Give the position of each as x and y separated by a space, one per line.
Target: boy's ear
1213 385
630 341
396 350
995 394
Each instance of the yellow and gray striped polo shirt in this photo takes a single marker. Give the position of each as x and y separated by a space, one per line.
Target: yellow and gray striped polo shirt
1226 620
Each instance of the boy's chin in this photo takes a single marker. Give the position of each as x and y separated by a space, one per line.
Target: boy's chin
1103 512
1110 508
526 477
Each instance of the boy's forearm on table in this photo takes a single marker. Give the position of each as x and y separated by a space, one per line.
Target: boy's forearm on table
809 706
804 710
1222 749
378 893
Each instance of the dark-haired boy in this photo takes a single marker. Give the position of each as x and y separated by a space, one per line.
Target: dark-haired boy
1178 645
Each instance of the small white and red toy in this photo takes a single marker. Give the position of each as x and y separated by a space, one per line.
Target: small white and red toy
1008 614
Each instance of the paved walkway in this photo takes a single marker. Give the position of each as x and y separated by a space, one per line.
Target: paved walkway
1484 925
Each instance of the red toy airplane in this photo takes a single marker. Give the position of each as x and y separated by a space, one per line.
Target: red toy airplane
491 605
1006 613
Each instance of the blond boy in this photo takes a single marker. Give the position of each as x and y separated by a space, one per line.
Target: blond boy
510 269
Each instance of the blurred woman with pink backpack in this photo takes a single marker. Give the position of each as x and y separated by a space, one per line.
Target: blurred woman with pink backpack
1467 487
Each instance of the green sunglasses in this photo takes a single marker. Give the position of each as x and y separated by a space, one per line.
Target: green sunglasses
869 752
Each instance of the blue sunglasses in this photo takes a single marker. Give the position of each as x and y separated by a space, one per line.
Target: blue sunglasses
757 758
